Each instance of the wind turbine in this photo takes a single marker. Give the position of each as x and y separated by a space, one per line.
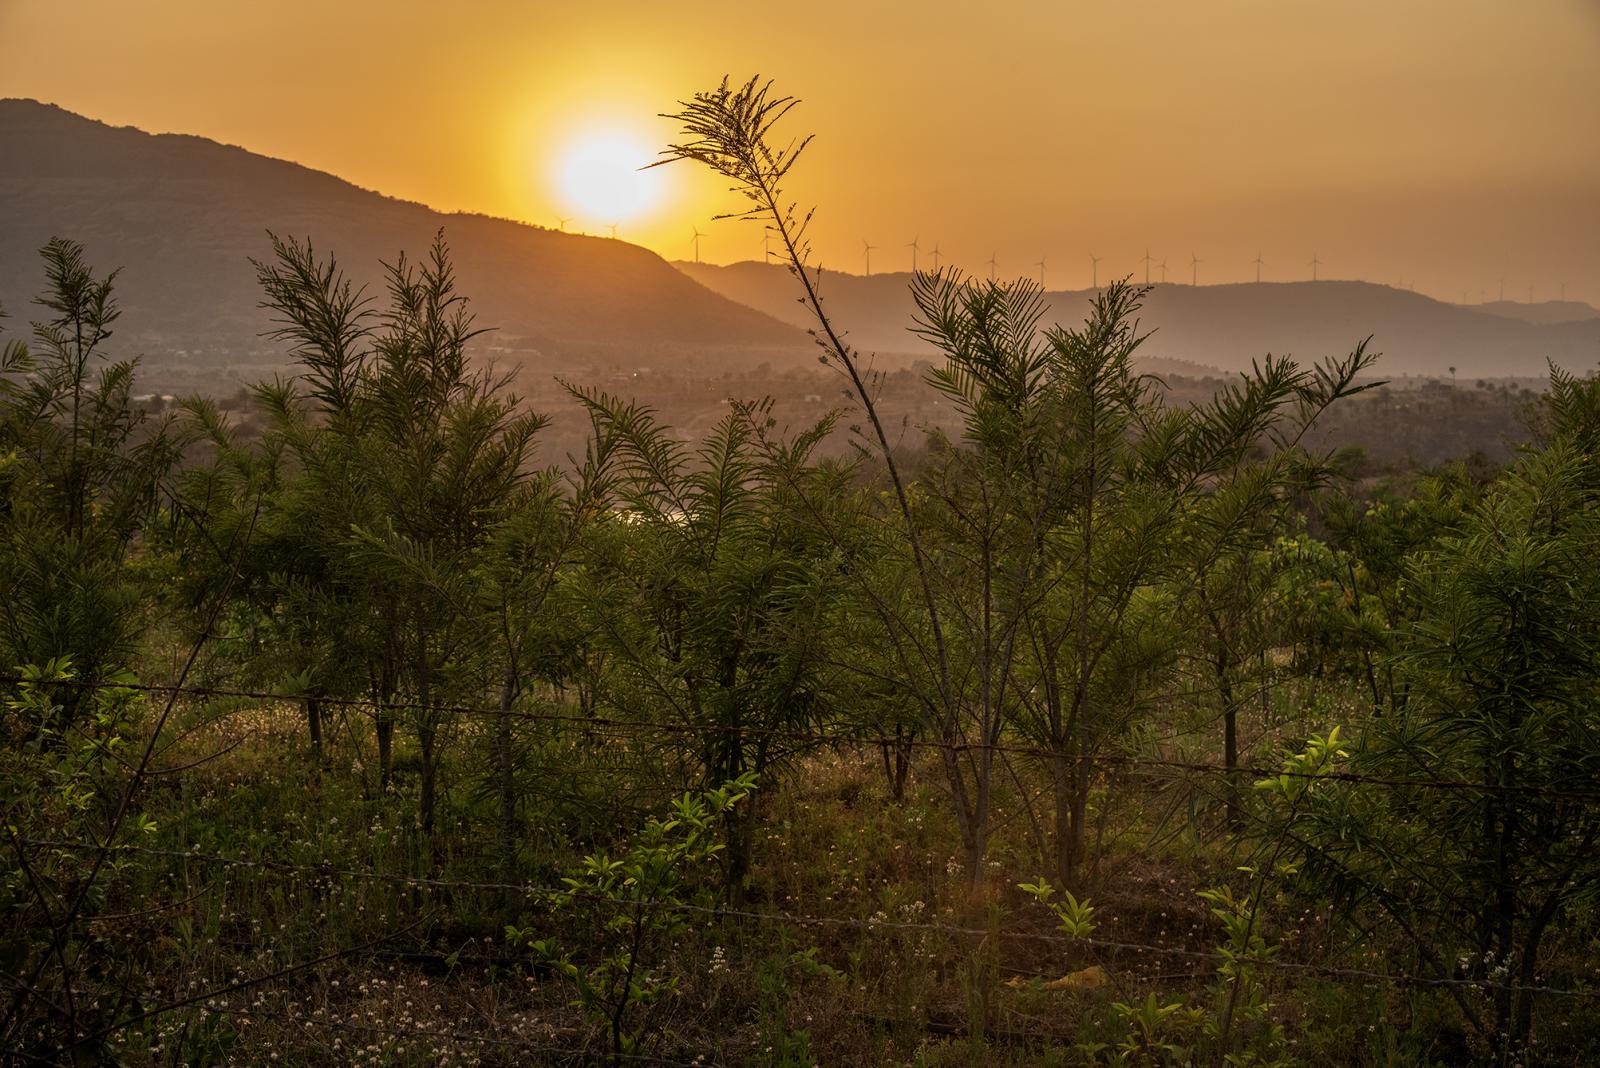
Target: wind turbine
697 236
613 230
1315 263
766 244
1258 261
1163 266
915 248
868 249
1040 265
561 224
992 265
1146 262
936 257
1194 269
1094 269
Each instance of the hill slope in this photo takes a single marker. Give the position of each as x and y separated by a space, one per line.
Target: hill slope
182 215
1548 311
1223 326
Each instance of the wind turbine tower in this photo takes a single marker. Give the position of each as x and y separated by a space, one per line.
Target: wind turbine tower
1146 262
561 224
936 257
915 248
1258 261
697 236
1194 269
1094 270
1163 266
1040 265
613 230
993 264
867 248
1315 263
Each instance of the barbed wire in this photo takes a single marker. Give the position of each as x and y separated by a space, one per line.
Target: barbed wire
465 1038
625 730
804 920
459 1037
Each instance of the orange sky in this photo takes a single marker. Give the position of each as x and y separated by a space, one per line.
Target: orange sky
1443 143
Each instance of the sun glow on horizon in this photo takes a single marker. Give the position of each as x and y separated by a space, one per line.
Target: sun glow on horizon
600 177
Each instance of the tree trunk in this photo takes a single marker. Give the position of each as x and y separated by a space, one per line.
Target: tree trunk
427 728
1266 689
508 782
739 826
1080 826
970 846
313 706
897 762
1061 767
1230 727
1230 758
978 827
384 727
427 734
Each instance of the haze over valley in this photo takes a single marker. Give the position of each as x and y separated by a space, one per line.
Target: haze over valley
183 217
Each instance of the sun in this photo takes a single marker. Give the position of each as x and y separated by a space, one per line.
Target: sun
599 176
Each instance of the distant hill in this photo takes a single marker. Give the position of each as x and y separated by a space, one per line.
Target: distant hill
1223 326
1548 311
182 215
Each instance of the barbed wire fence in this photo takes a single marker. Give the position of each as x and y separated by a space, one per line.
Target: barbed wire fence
535 893
611 728
629 729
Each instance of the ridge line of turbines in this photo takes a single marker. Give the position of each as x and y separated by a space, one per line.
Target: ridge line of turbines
1315 263
1148 261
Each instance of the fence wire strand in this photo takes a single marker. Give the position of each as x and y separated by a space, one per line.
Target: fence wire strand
631 730
627 729
536 892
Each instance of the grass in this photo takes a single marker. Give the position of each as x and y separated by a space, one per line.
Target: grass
916 963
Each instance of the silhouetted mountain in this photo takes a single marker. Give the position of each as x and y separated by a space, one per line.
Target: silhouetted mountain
1548 311
182 215
1224 326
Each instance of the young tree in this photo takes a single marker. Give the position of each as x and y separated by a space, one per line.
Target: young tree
80 478
1057 426
1501 668
713 614
731 131
1251 465
402 462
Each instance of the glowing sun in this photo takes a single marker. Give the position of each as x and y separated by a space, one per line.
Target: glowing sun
600 178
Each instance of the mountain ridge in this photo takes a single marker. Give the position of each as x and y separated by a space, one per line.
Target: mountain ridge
1224 326
182 215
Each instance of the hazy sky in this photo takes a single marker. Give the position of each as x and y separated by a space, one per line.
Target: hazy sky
1443 143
